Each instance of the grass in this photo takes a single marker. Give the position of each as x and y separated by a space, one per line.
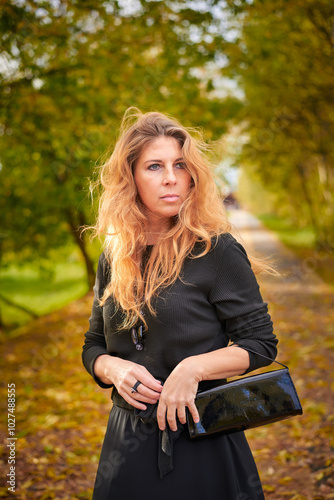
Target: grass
40 291
302 242
288 233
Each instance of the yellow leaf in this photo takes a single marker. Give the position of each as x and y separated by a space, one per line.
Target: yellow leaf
26 485
285 480
320 475
267 487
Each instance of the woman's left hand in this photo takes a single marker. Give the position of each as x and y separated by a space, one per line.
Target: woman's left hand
178 392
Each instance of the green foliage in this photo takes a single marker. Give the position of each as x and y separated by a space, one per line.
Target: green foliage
44 285
283 60
42 290
302 239
288 233
69 73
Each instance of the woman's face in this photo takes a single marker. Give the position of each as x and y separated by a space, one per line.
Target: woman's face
162 181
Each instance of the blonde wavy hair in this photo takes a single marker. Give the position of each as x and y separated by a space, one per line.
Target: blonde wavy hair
123 223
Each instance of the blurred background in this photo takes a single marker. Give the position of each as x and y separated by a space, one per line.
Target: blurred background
257 77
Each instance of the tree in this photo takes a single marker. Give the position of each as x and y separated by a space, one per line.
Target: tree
282 58
69 71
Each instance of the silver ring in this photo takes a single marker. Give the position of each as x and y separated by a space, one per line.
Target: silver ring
134 388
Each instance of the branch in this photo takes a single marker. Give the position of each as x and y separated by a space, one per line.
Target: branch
45 74
329 33
9 302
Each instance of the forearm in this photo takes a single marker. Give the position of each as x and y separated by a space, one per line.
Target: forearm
123 374
179 390
222 363
104 367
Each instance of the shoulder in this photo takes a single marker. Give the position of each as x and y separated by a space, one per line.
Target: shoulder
222 241
227 252
227 244
222 244
102 259
103 267
218 244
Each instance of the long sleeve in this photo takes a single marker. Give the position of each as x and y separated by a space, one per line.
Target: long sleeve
239 304
95 342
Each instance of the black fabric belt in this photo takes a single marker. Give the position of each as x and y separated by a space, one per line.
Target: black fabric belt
166 437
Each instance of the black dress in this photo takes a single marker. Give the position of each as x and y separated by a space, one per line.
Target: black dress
217 300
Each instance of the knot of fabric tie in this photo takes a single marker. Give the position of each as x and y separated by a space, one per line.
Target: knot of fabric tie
166 438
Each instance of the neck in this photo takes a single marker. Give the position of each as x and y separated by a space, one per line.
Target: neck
156 230
153 238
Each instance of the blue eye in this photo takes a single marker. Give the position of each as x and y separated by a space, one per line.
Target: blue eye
181 165
154 166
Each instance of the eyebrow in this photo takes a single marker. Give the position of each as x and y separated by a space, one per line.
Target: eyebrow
148 161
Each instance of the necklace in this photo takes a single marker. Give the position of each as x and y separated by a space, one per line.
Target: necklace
137 332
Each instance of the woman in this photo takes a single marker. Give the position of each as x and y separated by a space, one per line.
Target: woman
173 288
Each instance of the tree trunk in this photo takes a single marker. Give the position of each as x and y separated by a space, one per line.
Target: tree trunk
9 302
76 232
2 326
320 241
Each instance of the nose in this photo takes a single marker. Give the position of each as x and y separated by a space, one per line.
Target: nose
169 176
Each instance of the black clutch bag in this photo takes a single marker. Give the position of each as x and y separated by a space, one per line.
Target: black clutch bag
245 403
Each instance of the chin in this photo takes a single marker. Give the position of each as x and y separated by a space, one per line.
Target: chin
172 213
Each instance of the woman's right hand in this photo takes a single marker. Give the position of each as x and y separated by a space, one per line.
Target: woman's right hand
124 374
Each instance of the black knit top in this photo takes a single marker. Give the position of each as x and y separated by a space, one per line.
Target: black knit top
215 301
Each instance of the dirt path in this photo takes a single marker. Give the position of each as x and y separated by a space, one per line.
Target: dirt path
295 457
61 414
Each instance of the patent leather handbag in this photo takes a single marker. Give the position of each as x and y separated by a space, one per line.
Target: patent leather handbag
245 403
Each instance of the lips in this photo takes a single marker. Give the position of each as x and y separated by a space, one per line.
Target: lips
170 197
